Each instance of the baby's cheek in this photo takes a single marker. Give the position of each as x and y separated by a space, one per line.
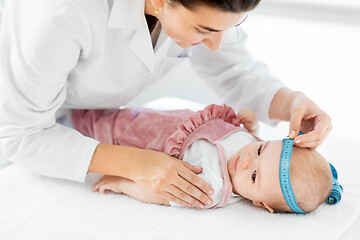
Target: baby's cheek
239 188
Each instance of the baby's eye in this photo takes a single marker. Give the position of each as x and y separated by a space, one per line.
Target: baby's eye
253 176
259 150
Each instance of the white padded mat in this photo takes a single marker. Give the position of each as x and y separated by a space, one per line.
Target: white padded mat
36 207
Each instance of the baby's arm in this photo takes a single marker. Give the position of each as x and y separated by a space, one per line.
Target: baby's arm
128 187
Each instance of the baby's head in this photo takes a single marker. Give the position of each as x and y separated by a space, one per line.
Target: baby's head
254 172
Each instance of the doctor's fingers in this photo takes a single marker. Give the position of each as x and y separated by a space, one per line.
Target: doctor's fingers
190 187
187 172
176 195
189 193
314 138
297 116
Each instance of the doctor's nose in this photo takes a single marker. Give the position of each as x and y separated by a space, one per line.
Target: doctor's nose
213 42
247 161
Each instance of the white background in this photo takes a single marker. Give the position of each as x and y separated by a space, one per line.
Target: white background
316 51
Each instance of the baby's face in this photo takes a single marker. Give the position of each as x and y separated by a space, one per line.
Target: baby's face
254 171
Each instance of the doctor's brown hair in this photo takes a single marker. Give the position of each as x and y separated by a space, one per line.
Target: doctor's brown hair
224 5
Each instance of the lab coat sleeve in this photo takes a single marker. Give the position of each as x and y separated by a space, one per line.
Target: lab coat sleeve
235 77
40 43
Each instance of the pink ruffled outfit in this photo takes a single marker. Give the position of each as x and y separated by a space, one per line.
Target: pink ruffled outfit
171 132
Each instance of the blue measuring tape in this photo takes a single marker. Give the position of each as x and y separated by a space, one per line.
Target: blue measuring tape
284 176
337 189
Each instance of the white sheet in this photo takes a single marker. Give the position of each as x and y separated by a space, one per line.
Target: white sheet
36 207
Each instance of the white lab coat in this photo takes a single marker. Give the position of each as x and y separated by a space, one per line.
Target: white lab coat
63 54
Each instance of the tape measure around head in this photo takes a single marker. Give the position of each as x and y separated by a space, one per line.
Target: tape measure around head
284 175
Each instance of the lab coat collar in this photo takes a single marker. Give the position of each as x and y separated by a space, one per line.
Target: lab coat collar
129 14
126 14
162 46
141 46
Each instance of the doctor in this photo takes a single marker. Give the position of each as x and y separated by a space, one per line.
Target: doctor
58 55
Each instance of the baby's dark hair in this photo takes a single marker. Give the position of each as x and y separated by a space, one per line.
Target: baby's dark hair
224 5
311 180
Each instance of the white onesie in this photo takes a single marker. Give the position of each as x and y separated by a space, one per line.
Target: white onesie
204 154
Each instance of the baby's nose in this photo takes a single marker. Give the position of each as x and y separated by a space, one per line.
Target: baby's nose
248 159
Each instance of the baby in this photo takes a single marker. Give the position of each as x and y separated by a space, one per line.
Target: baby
235 162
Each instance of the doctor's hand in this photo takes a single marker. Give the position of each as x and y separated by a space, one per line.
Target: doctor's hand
171 179
307 117
304 115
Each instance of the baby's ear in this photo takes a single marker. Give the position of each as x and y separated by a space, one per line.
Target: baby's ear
263 205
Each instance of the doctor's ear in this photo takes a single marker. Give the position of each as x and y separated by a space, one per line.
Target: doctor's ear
263 205
157 3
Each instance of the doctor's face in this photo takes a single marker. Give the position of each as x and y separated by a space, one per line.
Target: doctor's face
203 25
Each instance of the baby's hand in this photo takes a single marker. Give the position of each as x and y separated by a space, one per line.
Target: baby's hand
248 118
108 183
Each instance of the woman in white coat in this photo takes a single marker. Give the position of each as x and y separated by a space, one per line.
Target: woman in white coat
57 55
